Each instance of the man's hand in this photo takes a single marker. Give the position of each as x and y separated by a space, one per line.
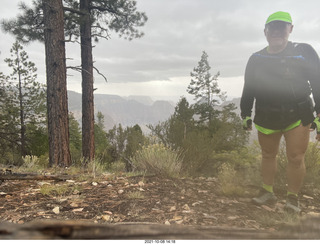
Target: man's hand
247 123
316 126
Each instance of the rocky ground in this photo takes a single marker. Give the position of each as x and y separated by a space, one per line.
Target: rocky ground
112 199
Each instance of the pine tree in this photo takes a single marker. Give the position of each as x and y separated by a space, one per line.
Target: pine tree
26 95
88 20
204 87
57 98
9 124
95 19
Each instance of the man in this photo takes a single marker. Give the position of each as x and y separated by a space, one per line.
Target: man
281 78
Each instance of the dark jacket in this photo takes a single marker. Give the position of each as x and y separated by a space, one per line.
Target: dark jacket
281 85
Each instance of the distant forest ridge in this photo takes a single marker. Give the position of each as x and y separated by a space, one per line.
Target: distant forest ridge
126 111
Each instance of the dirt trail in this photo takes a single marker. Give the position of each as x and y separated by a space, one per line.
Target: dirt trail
112 199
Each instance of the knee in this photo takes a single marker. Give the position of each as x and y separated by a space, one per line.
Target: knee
296 160
269 155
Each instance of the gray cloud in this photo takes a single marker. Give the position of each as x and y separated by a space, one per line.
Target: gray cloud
176 34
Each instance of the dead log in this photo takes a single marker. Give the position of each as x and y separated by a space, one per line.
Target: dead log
16 176
76 230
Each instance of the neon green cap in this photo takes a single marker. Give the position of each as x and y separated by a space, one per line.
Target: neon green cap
279 16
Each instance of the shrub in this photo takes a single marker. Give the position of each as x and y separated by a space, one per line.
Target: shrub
245 161
231 184
312 161
34 163
117 167
158 159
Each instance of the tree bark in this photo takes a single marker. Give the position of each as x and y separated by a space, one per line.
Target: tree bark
87 83
57 99
22 124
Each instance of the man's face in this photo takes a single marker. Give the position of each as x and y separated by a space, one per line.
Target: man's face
277 33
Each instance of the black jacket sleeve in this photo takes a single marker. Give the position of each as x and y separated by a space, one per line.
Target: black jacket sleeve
313 74
247 97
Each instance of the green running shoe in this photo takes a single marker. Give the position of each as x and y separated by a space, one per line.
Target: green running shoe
292 204
265 198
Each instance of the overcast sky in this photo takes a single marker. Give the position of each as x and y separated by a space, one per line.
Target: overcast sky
176 33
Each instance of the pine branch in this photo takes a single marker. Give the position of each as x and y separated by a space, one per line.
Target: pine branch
72 10
105 78
79 69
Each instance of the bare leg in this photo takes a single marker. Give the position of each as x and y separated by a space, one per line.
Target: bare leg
270 147
297 141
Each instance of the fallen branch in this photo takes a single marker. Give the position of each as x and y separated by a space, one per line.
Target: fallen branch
16 176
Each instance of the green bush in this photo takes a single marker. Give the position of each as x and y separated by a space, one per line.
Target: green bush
238 169
197 148
231 183
117 167
312 161
158 159
246 161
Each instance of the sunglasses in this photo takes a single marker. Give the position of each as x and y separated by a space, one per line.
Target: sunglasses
277 25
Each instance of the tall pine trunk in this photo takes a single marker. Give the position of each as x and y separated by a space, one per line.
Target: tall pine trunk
57 98
22 123
87 83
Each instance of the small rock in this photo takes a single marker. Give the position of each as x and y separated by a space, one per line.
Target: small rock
62 199
94 183
41 183
186 207
74 205
167 222
77 210
107 218
56 210
116 219
265 207
307 197
196 203
121 191
177 218
233 217
173 208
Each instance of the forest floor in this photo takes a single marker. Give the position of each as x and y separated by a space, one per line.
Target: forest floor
113 198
